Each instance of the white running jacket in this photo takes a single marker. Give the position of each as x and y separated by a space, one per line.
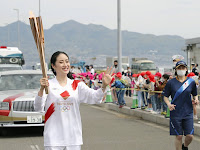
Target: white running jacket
62 116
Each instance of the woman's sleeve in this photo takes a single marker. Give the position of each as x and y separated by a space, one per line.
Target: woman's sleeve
39 102
88 95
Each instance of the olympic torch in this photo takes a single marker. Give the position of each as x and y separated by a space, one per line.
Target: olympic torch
38 34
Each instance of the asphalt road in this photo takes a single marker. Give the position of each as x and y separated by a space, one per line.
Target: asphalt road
102 130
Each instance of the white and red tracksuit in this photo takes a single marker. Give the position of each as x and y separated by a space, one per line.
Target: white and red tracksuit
62 119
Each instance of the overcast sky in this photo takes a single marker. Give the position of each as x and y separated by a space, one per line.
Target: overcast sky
159 17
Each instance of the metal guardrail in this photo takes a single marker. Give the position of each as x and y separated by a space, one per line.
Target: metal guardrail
159 92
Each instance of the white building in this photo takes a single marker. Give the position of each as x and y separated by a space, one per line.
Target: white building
192 50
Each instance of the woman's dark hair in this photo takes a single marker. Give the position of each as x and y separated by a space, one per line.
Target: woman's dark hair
87 67
53 61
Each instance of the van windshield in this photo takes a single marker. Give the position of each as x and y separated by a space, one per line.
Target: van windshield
147 66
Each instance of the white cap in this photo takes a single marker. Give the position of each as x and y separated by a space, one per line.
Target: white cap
179 57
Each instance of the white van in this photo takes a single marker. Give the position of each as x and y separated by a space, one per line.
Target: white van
143 66
11 58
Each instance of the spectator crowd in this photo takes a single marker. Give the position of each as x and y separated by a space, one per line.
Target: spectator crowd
147 86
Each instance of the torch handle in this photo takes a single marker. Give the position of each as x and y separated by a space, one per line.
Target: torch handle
38 34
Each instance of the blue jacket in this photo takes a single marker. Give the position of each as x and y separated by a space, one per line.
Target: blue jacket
118 84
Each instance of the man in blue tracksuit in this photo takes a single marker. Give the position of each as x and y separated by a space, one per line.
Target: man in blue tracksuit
120 91
180 89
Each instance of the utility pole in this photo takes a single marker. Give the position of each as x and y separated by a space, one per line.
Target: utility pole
39 7
119 46
8 43
18 27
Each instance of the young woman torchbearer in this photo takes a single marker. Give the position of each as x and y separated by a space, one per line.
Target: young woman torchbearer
63 128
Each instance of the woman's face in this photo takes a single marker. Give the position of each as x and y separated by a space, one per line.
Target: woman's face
181 70
62 65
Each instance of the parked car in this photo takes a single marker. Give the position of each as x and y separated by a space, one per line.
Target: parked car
17 94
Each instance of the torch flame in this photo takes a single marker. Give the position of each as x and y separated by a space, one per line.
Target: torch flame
31 15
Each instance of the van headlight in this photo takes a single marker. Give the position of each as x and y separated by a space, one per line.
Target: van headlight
13 60
4 106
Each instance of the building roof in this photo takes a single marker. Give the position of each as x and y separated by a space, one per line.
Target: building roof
192 41
144 61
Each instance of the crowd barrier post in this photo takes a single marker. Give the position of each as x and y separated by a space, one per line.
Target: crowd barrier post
135 100
109 97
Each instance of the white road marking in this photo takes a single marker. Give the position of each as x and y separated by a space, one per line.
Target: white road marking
34 147
37 147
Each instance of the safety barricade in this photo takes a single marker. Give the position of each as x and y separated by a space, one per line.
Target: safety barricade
108 97
135 100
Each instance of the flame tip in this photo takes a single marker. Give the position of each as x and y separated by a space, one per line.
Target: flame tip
31 15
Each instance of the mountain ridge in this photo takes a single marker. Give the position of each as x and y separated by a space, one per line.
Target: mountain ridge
84 41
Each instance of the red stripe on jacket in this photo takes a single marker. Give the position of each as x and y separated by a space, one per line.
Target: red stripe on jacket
49 112
75 84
